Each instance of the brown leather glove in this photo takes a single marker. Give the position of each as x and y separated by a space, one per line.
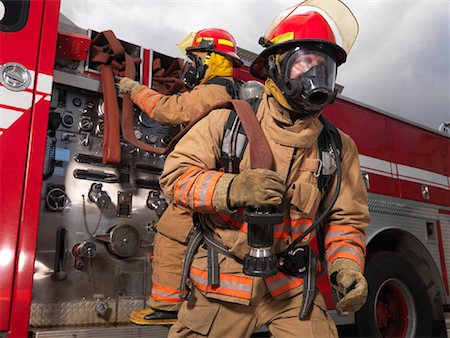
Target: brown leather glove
353 286
256 188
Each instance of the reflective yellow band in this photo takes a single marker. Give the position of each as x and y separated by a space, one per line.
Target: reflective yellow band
283 37
226 42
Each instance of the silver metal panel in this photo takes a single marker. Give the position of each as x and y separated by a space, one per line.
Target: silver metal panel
76 80
120 283
107 332
395 213
445 231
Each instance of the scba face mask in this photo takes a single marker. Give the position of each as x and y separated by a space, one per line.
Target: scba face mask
309 78
194 70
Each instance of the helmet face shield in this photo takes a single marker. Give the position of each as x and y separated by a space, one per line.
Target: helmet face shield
309 77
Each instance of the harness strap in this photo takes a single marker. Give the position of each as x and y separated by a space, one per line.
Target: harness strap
194 243
231 87
213 266
309 287
213 246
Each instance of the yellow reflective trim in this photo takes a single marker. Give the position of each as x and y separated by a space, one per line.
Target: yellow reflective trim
283 37
226 42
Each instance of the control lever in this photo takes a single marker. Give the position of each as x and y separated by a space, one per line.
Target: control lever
260 261
95 175
59 268
85 142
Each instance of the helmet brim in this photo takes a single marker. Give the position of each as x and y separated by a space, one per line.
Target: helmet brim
237 62
258 68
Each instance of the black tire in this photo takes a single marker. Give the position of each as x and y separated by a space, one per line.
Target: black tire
397 304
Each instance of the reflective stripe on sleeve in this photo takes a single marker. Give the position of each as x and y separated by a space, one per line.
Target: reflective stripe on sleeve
146 100
204 190
184 185
345 250
339 232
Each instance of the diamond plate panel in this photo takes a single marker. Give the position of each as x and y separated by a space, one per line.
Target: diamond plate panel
99 332
81 313
402 207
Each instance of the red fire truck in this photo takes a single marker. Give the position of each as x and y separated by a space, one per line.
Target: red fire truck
75 232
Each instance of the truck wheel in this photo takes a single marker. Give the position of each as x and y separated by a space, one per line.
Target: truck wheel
397 304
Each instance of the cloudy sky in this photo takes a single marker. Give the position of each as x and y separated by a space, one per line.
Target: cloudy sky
400 62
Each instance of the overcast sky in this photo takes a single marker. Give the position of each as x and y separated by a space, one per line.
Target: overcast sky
400 62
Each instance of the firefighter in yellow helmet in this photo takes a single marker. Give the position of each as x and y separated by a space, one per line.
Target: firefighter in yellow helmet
213 55
230 296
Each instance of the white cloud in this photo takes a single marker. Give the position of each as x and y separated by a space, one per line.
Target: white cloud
399 63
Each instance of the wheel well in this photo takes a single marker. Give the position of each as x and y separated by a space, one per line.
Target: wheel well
415 252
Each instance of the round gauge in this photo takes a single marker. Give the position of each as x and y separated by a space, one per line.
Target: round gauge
76 101
145 120
67 119
90 105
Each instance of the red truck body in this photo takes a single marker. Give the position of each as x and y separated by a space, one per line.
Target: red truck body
406 168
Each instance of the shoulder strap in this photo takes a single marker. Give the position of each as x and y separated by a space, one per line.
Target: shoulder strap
231 87
326 156
260 152
234 140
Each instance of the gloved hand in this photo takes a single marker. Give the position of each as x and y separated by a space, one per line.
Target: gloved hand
126 85
353 286
256 188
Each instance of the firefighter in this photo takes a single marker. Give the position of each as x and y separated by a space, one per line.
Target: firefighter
299 64
213 54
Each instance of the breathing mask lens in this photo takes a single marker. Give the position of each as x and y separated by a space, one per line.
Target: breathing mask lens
309 78
194 71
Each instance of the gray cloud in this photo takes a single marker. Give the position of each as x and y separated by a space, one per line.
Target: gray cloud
399 63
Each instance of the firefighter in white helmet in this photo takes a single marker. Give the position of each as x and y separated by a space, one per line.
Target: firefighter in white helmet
299 65
213 55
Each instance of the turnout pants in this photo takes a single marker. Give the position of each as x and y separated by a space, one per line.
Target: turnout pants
204 317
174 229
